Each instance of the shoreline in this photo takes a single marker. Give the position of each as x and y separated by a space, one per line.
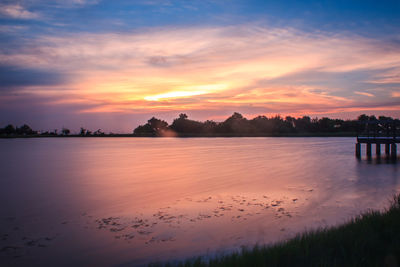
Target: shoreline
186 135
369 239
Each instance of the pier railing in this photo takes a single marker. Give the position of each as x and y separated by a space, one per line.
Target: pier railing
378 132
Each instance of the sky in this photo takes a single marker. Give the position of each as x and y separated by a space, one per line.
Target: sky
112 65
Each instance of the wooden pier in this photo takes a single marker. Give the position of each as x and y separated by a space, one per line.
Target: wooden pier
379 133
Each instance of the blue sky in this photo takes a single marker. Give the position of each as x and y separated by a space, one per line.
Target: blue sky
361 17
66 58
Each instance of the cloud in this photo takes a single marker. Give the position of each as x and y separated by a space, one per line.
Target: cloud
57 3
234 49
12 28
84 2
246 68
364 94
17 11
390 76
12 77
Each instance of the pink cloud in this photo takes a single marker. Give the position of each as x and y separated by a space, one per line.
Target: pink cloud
17 11
128 72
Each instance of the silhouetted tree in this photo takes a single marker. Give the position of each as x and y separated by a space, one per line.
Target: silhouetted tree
65 131
157 125
153 127
303 125
385 119
185 126
325 125
98 132
281 126
25 130
363 117
235 124
9 129
260 125
183 116
290 120
143 130
209 127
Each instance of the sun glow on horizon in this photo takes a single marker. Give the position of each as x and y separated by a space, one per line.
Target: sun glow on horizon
248 69
175 94
197 90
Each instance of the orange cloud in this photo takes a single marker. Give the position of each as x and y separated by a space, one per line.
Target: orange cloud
201 68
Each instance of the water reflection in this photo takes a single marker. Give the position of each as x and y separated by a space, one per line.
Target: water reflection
380 160
133 201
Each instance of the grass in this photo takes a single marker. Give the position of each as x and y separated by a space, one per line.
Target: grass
371 239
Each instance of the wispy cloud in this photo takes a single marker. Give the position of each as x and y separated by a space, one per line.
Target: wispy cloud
17 11
12 28
364 93
391 76
84 2
248 68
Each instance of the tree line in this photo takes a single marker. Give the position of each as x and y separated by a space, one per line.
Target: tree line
26 130
23 130
237 125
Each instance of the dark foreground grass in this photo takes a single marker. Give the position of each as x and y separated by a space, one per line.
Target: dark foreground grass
371 239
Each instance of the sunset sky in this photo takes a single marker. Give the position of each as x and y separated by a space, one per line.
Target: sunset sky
114 64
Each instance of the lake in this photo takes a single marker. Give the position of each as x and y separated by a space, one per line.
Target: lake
131 201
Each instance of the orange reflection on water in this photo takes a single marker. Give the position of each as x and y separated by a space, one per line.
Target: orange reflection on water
136 200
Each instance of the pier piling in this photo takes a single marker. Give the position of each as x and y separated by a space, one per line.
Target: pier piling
378 132
369 154
387 149
394 151
358 150
378 149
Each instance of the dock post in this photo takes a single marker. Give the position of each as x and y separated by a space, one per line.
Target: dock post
387 149
394 151
369 150
378 149
358 150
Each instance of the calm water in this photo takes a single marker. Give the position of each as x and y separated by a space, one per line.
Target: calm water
130 201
